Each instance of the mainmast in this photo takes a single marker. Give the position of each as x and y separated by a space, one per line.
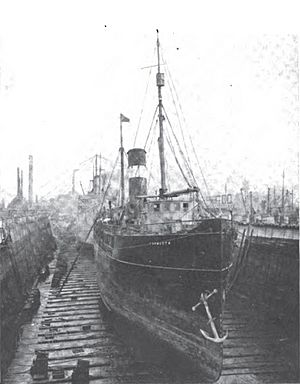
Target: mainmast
100 170
282 199
160 83
122 165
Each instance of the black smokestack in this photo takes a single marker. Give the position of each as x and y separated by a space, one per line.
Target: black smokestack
21 184
18 181
30 181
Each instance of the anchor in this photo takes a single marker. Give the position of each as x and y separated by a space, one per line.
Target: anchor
203 300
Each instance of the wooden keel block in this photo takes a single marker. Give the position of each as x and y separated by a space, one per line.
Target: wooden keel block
80 374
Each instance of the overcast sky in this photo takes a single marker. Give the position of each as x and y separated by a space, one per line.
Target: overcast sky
69 68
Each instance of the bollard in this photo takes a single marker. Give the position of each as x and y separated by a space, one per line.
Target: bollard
39 368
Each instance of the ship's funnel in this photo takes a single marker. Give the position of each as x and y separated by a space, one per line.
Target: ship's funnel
21 184
137 183
18 181
136 157
137 187
30 181
96 188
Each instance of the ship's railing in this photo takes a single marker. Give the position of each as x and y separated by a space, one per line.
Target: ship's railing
18 214
275 231
17 219
157 227
196 221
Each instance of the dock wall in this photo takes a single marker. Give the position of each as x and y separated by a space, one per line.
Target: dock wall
27 249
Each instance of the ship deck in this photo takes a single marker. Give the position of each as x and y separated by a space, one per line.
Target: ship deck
72 325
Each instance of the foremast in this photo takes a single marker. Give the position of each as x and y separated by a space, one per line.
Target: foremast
160 83
123 119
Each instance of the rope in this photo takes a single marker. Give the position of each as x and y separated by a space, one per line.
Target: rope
150 127
184 120
180 150
188 162
206 186
176 159
142 109
150 176
92 158
207 208
64 186
180 125
90 230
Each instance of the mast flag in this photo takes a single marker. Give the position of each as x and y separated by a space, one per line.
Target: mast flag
124 119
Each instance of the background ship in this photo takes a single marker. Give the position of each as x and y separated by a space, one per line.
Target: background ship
26 247
267 271
88 203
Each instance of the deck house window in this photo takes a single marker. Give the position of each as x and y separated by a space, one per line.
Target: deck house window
185 206
156 207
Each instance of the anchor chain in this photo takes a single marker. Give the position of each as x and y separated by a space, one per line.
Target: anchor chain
203 300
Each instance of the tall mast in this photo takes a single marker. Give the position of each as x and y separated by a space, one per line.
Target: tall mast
251 208
268 202
73 180
18 182
160 83
21 188
30 181
122 165
282 199
100 169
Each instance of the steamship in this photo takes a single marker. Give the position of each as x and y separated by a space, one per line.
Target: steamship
88 203
163 267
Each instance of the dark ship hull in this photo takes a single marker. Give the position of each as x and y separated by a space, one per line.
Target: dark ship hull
270 272
150 282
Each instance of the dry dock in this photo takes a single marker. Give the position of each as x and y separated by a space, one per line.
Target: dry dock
71 335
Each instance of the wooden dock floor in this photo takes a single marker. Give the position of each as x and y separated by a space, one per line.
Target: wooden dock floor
72 326
256 349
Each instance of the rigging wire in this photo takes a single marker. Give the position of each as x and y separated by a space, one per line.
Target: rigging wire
176 159
92 158
64 186
106 190
184 120
91 228
197 159
176 110
207 208
143 103
151 125
181 110
149 150
153 130
180 150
